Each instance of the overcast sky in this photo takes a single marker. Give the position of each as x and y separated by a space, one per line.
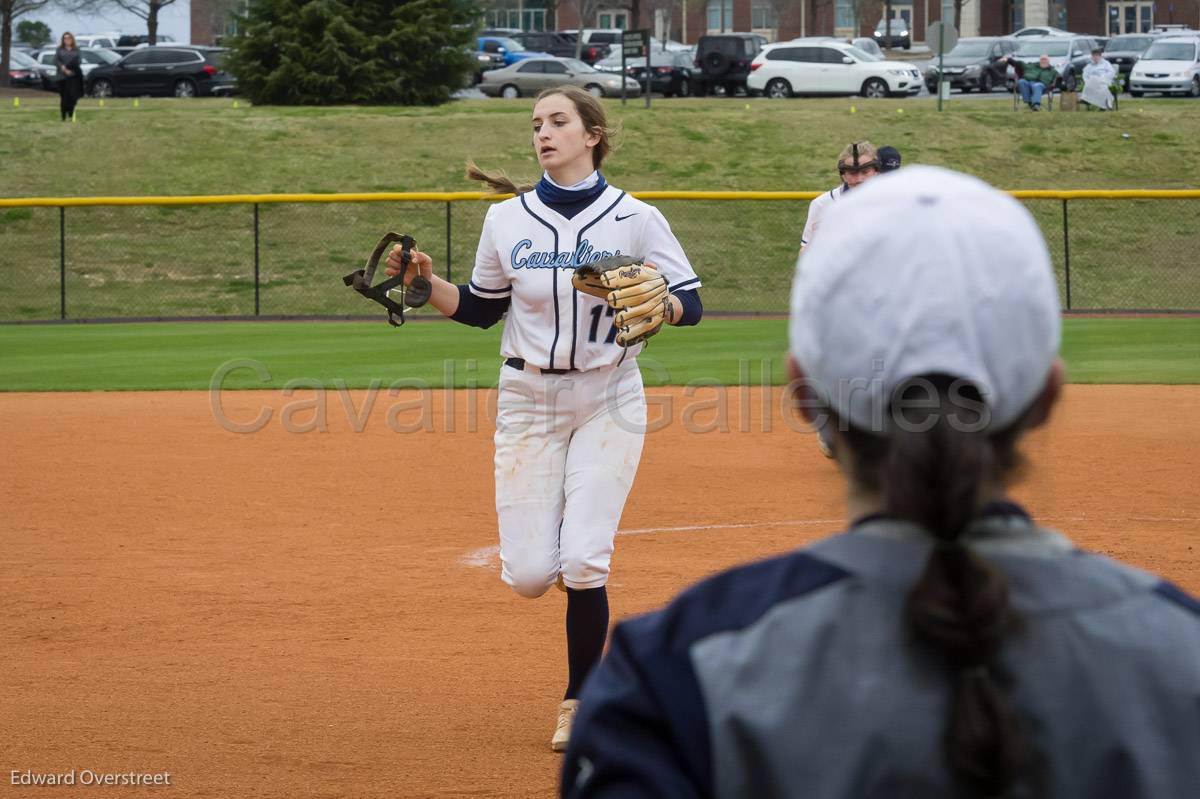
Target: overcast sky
174 21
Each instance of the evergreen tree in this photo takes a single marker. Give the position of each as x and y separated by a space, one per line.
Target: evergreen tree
325 52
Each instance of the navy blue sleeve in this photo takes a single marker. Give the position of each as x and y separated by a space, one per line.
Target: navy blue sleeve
622 743
692 308
479 311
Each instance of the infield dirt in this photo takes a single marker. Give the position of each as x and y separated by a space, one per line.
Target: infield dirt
289 614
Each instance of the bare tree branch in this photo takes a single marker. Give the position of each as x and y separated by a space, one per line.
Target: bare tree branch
143 9
586 9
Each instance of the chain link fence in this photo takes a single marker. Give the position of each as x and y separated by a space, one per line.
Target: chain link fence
283 257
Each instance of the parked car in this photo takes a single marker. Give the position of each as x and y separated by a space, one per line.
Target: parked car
661 52
598 43
671 72
25 72
1171 65
512 50
783 70
868 46
485 61
549 42
1042 30
164 71
502 32
130 40
105 40
1124 51
900 36
723 61
976 62
1067 53
90 59
527 78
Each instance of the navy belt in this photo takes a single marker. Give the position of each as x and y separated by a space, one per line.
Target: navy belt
519 364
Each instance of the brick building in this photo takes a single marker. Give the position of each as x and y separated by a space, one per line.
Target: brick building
685 20
214 19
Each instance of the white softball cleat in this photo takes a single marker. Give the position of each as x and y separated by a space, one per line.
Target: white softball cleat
562 730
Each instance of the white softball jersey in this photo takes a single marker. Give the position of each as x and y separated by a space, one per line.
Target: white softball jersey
527 251
816 209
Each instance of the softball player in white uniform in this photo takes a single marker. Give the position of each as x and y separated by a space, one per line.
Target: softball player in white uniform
857 163
571 410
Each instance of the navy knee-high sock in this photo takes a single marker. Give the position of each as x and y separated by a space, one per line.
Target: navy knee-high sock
587 629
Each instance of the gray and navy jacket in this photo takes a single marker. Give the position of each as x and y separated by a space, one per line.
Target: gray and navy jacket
797 676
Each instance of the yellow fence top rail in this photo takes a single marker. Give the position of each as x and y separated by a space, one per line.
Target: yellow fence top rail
458 196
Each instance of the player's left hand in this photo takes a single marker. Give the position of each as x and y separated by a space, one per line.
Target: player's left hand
635 289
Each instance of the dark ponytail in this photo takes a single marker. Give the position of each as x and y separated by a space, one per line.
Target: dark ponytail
932 469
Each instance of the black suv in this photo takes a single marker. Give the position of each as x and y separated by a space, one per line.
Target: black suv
559 44
164 71
723 61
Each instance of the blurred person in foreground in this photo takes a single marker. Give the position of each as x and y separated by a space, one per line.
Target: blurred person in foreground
945 645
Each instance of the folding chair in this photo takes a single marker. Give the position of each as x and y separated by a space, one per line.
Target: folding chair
1047 96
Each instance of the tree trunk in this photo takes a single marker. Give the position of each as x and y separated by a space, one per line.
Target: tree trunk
152 22
6 43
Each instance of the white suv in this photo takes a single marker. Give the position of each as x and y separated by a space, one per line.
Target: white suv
828 67
107 40
1170 65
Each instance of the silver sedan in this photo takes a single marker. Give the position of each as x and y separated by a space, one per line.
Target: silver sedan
528 77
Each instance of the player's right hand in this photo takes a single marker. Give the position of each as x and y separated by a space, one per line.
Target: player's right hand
419 264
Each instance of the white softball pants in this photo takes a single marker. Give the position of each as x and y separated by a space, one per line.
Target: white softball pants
567 449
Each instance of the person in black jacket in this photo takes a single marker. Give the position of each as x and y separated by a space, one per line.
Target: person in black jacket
70 75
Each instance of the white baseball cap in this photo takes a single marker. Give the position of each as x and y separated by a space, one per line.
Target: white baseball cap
918 272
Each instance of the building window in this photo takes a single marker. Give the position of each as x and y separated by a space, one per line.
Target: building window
1016 18
612 19
530 16
1058 14
763 16
715 23
844 14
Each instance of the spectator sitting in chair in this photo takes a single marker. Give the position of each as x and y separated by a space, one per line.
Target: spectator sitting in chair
1097 81
1034 80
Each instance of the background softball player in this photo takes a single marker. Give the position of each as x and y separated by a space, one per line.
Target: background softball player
946 645
571 409
858 162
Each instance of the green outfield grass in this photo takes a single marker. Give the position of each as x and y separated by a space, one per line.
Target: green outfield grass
206 146
186 356
199 260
